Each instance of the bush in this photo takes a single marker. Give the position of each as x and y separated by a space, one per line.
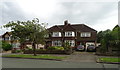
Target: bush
6 46
27 48
16 51
55 48
67 46
103 49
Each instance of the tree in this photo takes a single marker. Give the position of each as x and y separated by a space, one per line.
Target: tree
6 46
109 39
28 30
116 35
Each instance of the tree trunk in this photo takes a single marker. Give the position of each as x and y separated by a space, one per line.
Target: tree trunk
34 49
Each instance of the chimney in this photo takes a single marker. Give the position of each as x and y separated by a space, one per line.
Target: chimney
66 22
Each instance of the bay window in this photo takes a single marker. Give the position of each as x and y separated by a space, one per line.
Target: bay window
56 43
71 42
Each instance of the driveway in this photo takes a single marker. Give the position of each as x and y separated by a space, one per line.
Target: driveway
82 57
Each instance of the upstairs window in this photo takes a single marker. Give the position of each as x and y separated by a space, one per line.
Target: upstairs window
85 34
7 38
69 34
56 34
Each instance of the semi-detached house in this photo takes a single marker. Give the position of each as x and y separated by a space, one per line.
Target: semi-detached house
74 34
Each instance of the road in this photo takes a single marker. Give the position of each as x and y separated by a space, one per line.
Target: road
33 63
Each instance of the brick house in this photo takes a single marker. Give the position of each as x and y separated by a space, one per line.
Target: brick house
75 34
7 37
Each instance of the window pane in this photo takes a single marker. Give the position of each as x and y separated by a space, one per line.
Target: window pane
85 34
69 34
56 34
56 43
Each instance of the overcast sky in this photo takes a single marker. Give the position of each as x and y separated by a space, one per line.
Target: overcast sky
98 15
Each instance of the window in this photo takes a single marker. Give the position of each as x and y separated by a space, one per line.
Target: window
6 38
56 43
71 42
85 34
56 34
69 34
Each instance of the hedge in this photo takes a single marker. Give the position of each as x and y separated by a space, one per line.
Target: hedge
47 52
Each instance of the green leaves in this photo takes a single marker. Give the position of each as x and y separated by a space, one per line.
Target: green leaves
6 46
31 30
109 38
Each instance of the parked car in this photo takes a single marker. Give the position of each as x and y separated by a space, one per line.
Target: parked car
81 48
91 48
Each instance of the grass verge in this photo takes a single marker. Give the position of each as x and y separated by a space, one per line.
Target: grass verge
38 56
109 59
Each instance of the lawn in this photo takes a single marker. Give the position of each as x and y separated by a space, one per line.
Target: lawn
38 56
109 59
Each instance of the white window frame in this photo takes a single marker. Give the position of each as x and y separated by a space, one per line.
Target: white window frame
56 43
69 34
85 34
56 34
71 42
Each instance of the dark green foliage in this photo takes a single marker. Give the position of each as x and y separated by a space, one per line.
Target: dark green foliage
6 46
16 51
109 39
67 46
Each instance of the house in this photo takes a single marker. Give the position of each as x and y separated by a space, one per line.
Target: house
74 34
7 37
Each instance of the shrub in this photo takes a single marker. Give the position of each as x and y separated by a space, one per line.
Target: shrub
27 48
67 46
103 49
6 46
16 51
55 48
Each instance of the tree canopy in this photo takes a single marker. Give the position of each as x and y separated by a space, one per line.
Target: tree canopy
32 31
109 38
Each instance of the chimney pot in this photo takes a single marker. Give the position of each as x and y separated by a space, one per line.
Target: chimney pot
66 22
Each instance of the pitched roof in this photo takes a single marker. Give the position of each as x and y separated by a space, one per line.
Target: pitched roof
77 27
6 33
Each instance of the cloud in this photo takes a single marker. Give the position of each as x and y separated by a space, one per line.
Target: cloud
84 12
54 12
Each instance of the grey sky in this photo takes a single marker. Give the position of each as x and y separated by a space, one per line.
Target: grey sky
98 15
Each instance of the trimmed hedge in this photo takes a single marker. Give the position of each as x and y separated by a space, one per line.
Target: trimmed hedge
47 52
55 48
16 51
